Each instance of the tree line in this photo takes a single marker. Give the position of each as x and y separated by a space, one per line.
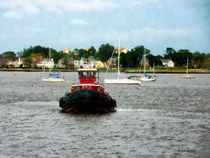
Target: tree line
131 59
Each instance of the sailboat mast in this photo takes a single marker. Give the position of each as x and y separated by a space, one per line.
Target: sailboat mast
49 53
187 66
49 59
118 74
144 60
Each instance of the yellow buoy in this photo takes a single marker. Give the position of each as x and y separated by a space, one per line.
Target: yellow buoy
15 76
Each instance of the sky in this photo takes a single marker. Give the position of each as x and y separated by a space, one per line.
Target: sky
156 24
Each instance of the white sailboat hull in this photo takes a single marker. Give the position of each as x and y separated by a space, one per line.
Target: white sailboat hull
188 77
122 81
53 79
146 79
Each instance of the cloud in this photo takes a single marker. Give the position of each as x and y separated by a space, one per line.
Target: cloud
151 33
33 6
12 14
29 6
79 5
151 37
31 9
17 8
143 2
53 9
78 22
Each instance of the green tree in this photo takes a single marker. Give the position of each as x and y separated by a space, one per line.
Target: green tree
207 63
8 54
58 55
92 51
27 61
105 52
154 60
158 60
199 59
180 59
83 53
170 54
123 60
44 51
134 56
35 59
132 59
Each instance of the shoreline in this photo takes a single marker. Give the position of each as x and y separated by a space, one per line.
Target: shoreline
181 71
190 71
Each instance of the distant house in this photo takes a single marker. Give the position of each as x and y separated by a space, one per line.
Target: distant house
122 50
99 64
144 62
76 64
16 63
67 50
46 63
63 63
86 49
90 62
111 62
83 62
80 63
167 62
10 61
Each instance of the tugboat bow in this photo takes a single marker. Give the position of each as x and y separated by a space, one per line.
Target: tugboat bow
88 96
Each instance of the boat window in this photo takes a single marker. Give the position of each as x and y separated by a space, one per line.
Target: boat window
98 89
83 73
90 73
78 88
87 73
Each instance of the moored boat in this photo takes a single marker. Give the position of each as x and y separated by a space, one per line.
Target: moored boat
146 76
54 77
88 96
187 76
119 80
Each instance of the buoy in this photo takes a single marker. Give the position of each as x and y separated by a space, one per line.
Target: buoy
15 76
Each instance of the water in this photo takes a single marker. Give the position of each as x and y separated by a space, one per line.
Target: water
166 118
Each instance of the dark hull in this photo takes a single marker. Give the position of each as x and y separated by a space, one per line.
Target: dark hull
87 101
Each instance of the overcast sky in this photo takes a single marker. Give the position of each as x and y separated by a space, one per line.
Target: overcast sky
156 24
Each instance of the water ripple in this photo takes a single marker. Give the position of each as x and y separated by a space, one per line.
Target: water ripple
166 118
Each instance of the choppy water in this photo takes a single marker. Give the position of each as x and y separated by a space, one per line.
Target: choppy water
166 118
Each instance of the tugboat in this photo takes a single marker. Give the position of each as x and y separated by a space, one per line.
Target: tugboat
88 96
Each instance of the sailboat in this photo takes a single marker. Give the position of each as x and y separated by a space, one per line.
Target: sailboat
119 80
147 77
53 76
187 76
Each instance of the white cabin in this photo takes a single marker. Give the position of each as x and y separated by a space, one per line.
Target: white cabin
167 62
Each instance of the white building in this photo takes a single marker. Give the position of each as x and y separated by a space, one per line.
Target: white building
67 50
167 62
122 50
46 63
90 62
16 63
76 64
